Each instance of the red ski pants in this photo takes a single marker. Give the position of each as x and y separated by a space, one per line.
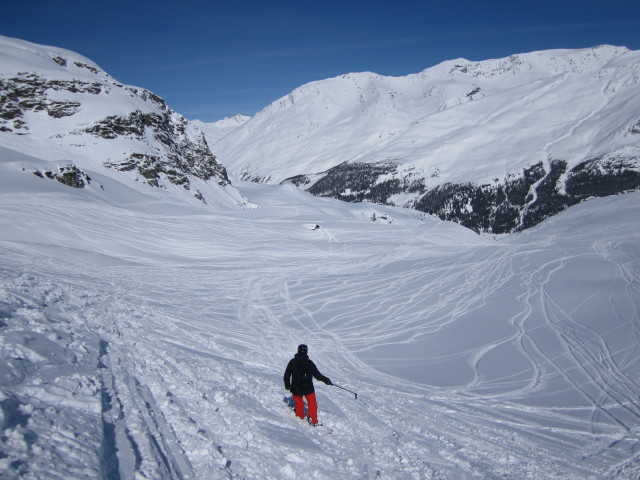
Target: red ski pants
312 406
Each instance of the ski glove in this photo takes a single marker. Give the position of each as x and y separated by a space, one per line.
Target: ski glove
328 382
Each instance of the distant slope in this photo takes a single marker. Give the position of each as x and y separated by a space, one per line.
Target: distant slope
496 145
215 131
61 107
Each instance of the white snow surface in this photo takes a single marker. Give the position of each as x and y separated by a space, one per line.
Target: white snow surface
459 121
141 338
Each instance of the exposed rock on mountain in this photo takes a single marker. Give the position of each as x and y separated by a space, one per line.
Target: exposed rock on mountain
28 92
69 175
184 156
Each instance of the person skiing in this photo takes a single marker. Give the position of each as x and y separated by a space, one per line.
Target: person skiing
298 378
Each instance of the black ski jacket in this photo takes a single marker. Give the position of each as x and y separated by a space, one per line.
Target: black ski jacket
290 375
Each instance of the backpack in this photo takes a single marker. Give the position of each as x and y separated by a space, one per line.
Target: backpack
303 375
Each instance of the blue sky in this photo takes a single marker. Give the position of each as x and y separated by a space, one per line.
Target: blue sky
211 59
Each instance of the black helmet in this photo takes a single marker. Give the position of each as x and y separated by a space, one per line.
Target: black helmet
302 349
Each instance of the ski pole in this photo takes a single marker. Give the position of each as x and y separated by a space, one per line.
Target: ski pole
356 395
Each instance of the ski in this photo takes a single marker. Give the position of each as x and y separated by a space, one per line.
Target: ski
327 429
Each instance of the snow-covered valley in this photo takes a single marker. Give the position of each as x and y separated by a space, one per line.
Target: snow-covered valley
141 341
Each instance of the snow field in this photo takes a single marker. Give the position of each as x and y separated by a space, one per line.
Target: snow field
141 343
144 335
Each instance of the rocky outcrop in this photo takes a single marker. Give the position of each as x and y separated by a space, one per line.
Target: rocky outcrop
68 174
30 92
179 155
58 106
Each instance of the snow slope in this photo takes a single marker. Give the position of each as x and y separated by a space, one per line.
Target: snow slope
216 131
142 341
457 122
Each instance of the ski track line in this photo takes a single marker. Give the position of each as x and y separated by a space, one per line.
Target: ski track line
522 332
596 361
631 279
519 322
565 333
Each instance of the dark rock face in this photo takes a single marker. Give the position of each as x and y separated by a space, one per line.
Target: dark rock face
69 175
60 61
507 205
62 109
29 92
84 65
181 156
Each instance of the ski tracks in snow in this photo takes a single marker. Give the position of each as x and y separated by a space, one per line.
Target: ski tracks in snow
583 357
479 361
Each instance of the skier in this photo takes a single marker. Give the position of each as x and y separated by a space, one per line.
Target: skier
298 378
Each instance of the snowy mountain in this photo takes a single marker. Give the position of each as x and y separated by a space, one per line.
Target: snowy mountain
496 145
64 110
